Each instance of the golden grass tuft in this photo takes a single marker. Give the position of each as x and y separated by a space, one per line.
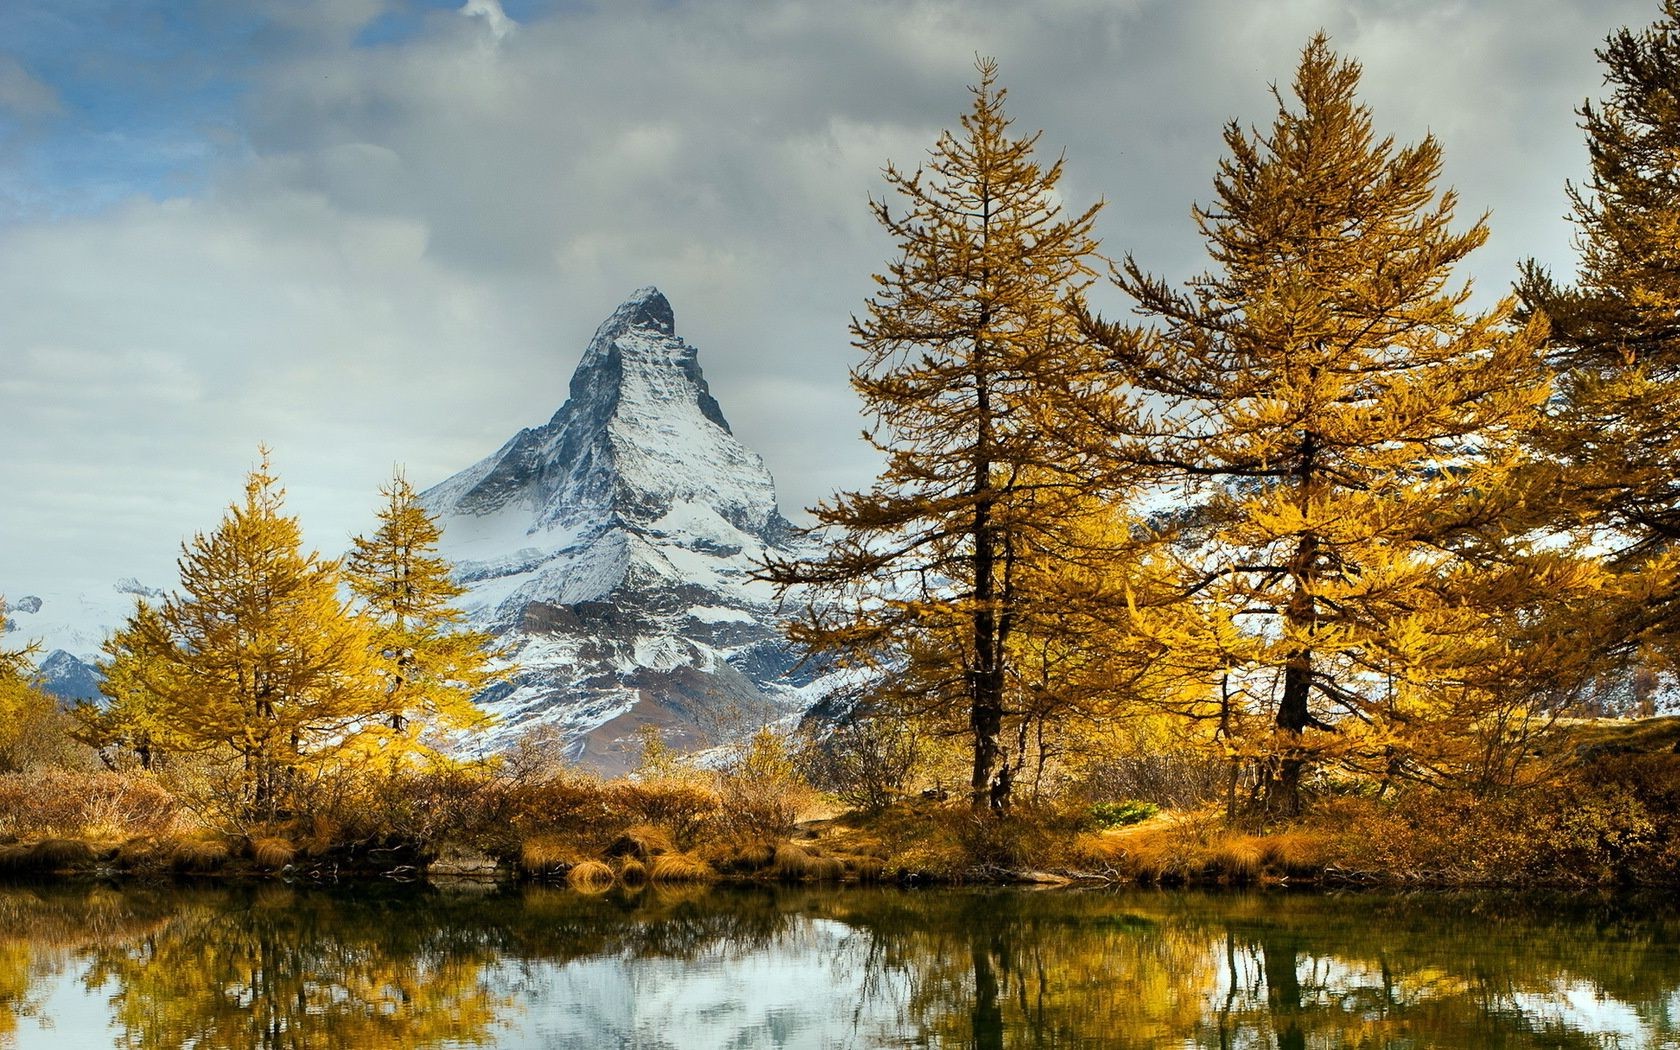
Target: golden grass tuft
795 863
737 857
631 871
272 851
544 856
792 862
679 867
642 842
1153 854
60 854
1297 852
865 869
1236 858
198 854
590 876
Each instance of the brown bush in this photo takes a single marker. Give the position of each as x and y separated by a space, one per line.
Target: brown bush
678 807
62 802
641 842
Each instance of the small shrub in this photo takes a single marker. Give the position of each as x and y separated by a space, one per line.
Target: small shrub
679 807
760 793
1122 814
865 762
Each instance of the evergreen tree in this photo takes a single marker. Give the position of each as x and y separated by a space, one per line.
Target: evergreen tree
968 346
130 719
1345 434
431 667
256 658
1616 332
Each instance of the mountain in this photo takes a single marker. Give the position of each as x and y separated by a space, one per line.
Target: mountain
68 624
612 550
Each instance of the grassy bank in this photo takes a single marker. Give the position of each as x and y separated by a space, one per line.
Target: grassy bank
1607 815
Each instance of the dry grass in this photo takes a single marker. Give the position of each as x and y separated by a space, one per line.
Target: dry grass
58 855
679 867
1169 851
272 851
1235 858
590 876
545 856
795 863
738 858
63 803
199 854
642 842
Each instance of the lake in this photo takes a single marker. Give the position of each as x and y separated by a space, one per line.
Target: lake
267 965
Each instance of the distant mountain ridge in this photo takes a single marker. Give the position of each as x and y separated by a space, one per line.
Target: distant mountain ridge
612 549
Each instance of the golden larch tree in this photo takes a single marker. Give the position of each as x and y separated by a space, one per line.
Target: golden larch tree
1344 430
1616 335
430 664
967 344
255 659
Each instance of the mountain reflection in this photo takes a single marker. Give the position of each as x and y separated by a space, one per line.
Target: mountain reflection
265 966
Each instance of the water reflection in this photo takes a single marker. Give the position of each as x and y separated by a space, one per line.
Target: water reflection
270 966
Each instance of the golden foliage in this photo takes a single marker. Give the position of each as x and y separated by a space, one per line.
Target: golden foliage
255 660
431 666
1356 556
967 342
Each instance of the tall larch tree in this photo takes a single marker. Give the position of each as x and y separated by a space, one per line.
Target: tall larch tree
255 659
1345 432
129 723
431 666
966 344
1616 334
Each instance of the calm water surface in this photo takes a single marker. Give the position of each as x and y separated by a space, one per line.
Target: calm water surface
271 966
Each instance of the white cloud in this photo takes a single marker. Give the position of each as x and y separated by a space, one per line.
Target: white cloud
408 255
495 18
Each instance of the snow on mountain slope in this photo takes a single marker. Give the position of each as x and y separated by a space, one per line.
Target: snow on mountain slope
612 550
69 623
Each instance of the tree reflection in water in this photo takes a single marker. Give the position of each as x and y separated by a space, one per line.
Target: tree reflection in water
271 966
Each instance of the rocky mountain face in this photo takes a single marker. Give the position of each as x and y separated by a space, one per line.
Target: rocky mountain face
612 549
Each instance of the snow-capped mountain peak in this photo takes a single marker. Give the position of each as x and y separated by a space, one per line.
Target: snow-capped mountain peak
614 545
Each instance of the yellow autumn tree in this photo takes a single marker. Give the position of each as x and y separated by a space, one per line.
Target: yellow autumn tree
1616 336
25 710
966 345
255 661
129 722
431 666
1344 434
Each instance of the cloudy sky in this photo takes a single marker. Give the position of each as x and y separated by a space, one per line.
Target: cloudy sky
371 232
